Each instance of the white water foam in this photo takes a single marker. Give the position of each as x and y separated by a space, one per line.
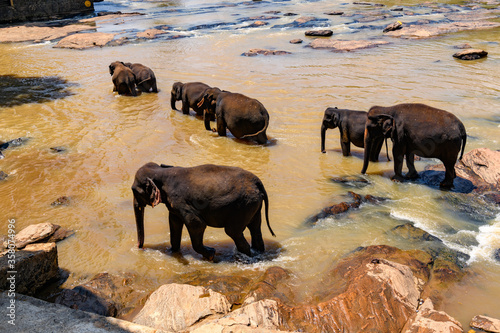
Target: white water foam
489 241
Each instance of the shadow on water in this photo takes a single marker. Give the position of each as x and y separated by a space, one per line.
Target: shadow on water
15 90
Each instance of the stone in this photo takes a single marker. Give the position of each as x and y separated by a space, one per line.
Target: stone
463 46
272 285
3 175
470 54
106 294
85 40
393 26
261 316
39 33
35 315
35 266
496 255
150 33
296 41
345 45
61 201
335 12
351 181
257 24
58 149
34 233
427 319
175 307
319 33
432 30
60 234
255 52
485 323
410 232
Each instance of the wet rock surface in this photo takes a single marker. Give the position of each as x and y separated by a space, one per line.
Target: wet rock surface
3 175
61 201
256 52
410 232
40 233
486 324
85 40
427 319
345 45
319 33
351 181
470 54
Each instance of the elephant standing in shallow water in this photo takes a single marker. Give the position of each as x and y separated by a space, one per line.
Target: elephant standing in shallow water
351 125
201 196
123 78
144 76
190 93
243 116
416 129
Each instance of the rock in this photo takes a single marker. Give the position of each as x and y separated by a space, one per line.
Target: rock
39 33
85 40
35 266
272 285
59 149
319 33
343 207
60 234
496 255
476 208
344 45
432 30
150 33
296 41
334 13
257 24
262 316
14 143
3 175
429 320
305 22
61 201
375 289
34 233
470 54
35 315
175 307
410 232
393 26
463 46
106 294
487 324
351 181
255 52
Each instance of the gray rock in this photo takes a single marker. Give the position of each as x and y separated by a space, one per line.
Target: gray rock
35 265
487 324
335 12
296 41
345 45
470 54
319 33
393 26
410 232
3 175
255 52
175 307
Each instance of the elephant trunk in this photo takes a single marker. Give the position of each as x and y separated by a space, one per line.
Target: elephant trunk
206 119
139 221
173 99
368 150
323 137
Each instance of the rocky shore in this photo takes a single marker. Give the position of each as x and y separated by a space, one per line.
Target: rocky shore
376 288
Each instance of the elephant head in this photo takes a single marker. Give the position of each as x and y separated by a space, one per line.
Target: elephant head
176 94
330 120
208 103
113 65
377 128
146 191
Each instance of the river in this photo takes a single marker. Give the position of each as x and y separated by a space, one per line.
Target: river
108 137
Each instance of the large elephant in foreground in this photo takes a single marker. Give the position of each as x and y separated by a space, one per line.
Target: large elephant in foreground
416 129
351 125
144 76
123 78
190 93
245 117
201 196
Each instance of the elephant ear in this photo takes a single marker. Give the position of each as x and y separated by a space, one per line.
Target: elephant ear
153 192
388 126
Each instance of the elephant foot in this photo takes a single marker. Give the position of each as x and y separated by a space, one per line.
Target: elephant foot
208 253
413 175
446 184
398 178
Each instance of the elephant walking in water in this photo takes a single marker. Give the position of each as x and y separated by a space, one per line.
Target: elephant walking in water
201 196
123 78
416 129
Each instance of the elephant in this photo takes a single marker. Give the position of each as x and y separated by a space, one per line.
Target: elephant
190 93
245 117
416 129
351 124
200 196
123 79
144 76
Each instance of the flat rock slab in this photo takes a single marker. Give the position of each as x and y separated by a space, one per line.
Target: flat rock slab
34 315
487 324
319 33
470 54
32 33
85 40
428 30
255 52
345 45
151 33
34 233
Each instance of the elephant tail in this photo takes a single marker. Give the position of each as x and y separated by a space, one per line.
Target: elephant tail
255 134
149 78
387 150
464 141
266 202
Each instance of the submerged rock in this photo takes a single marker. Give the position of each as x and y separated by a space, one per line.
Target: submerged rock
410 232
61 201
296 41
345 45
496 255
470 54
352 181
255 52
3 175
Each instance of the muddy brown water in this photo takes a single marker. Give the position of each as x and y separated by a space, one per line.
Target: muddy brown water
108 137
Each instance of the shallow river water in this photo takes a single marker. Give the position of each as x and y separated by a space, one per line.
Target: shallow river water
108 137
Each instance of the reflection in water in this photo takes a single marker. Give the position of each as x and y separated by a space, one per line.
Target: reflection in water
16 90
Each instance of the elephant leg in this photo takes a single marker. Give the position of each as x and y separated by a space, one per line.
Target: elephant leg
412 172
398 156
175 232
239 239
196 229
346 148
221 126
185 107
256 233
450 173
375 152
261 138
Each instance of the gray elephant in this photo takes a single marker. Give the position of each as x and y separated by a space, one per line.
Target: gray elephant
190 93
416 129
243 116
144 76
123 78
351 124
201 196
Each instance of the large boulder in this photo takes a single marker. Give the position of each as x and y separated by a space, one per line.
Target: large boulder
175 307
428 320
34 266
486 324
85 40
